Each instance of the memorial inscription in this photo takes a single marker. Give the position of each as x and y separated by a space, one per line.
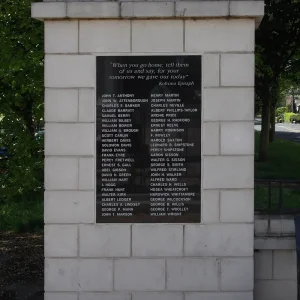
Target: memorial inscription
148 139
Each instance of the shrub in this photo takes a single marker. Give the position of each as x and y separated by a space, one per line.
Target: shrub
280 111
287 117
295 118
22 216
279 119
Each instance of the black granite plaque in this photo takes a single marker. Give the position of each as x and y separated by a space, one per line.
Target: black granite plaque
148 139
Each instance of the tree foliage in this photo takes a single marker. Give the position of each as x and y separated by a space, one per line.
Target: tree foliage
277 48
21 99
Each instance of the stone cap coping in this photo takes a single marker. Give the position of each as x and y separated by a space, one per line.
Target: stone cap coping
149 10
274 225
272 243
274 232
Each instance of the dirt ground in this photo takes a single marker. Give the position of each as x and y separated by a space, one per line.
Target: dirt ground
21 259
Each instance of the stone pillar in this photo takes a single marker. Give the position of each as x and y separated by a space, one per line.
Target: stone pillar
212 260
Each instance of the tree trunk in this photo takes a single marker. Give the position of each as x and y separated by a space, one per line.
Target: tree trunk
265 130
272 124
293 102
273 103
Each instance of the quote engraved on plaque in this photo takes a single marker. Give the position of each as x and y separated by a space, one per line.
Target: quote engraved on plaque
148 139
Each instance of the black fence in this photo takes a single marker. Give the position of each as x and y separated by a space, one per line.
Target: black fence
277 196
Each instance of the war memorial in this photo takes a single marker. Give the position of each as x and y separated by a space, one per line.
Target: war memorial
149 150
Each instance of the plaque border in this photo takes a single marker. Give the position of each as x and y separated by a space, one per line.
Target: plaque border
143 54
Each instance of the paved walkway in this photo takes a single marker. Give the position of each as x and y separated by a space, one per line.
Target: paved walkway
285 131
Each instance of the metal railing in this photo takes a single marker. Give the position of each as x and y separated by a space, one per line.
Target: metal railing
275 196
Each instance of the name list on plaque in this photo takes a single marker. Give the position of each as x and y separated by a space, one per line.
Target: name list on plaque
148 139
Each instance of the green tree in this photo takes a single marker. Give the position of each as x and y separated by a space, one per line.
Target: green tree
21 98
277 43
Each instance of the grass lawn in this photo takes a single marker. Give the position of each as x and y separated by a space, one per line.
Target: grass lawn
21 216
283 163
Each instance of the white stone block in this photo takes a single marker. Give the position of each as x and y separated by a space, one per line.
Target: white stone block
219 35
157 296
61 240
237 69
158 36
275 290
237 138
237 206
63 71
104 296
61 105
261 226
87 106
147 9
275 225
228 172
275 243
86 173
288 226
228 104
61 37
69 207
218 240
282 226
104 240
61 173
139 275
96 275
69 139
203 8
51 10
211 138
60 296
211 70
247 8
104 35
78 275
210 207
157 240
61 275
192 274
263 264
285 265
220 296
86 10
237 274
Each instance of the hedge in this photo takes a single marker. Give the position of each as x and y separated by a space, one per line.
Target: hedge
287 117
295 118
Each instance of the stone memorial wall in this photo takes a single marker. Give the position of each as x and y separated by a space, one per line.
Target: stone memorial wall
149 110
